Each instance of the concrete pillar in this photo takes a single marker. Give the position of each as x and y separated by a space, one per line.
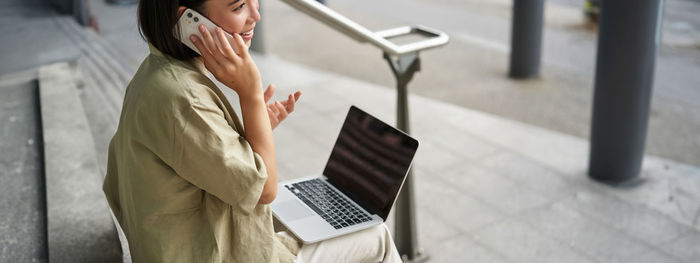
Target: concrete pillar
526 38
627 46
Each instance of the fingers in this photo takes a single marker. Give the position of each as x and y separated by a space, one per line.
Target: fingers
269 92
290 103
198 44
225 46
274 109
281 111
208 60
240 45
230 39
278 111
209 42
273 117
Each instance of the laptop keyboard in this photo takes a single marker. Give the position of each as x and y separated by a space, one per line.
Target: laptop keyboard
330 205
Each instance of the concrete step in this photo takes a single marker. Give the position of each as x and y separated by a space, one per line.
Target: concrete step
96 62
102 118
103 79
23 198
100 48
80 227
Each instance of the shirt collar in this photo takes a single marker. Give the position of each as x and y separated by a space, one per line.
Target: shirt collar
194 63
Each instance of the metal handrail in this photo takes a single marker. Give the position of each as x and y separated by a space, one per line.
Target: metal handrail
379 39
405 64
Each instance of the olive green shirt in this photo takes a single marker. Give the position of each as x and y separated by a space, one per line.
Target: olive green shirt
182 180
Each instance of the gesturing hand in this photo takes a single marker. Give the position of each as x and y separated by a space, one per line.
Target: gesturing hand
236 70
279 110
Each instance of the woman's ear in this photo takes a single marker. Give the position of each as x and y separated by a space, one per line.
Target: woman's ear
180 10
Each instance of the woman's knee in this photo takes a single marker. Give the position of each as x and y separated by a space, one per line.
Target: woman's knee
380 236
380 232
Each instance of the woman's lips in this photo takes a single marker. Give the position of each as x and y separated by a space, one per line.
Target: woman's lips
247 35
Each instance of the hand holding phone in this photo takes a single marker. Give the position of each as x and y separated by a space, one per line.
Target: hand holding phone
188 25
225 56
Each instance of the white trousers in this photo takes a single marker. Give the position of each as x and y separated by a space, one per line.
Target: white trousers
369 245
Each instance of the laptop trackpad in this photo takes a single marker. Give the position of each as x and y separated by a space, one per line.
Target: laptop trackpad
293 209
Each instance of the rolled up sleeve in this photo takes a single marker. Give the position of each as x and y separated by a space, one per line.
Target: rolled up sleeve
212 155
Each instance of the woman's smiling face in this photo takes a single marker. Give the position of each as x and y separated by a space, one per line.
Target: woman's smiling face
234 16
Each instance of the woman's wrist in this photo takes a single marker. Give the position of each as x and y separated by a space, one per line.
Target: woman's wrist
251 99
247 90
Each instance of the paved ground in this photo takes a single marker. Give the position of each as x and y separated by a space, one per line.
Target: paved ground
28 29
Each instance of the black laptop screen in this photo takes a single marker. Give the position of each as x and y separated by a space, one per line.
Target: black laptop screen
369 161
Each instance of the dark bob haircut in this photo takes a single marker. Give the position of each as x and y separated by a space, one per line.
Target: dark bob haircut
157 25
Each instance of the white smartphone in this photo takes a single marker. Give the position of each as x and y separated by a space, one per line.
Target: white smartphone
189 25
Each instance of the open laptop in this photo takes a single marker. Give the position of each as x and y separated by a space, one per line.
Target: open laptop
358 187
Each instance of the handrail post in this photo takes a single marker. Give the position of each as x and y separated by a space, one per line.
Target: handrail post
406 65
405 234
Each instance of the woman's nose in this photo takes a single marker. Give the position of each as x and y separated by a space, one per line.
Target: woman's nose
254 13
